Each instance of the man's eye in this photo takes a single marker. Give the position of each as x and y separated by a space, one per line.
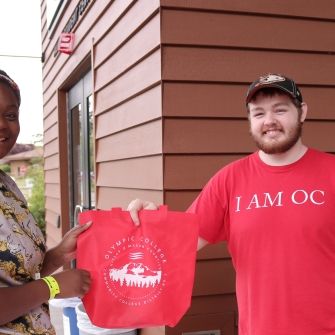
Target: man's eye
258 115
280 111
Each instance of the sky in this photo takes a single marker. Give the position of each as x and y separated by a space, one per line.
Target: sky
20 27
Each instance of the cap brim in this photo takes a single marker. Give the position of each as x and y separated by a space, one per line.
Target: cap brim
259 87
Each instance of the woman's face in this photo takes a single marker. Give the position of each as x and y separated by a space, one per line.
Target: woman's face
9 119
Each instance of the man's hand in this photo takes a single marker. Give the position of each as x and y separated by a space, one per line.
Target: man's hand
137 205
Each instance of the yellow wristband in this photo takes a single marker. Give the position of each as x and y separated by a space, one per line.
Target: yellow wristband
53 286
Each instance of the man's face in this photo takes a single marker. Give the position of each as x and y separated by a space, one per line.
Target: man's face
9 119
275 123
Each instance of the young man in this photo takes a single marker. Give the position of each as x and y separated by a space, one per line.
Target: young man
275 209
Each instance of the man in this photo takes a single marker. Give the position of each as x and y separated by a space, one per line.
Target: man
275 209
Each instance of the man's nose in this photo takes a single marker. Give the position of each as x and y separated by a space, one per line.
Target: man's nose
269 118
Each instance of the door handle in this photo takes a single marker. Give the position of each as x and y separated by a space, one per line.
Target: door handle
78 209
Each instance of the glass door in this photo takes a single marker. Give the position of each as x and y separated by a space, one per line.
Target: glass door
80 143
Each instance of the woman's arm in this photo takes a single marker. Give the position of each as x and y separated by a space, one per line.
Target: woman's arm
19 300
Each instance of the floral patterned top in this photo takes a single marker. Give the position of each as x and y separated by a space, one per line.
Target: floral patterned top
22 250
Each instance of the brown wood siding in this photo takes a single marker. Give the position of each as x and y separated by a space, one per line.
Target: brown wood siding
121 197
236 30
170 78
53 204
123 56
207 282
186 99
55 67
128 108
224 100
138 79
51 162
52 125
206 136
113 62
211 51
127 114
49 120
320 135
211 136
143 140
136 17
213 64
52 176
180 174
51 148
213 304
217 251
324 9
209 322
139 173
50 106
179 201
212 312
52 217
52 231
52 190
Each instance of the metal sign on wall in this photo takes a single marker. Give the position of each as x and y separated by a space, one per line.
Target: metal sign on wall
65 43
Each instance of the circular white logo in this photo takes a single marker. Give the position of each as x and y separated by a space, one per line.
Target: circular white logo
134 270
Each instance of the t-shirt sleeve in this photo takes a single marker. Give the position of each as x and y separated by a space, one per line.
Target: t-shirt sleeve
211 208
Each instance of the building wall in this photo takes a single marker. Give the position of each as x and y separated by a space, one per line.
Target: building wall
127 85
119 40
211 51
19 168
169 83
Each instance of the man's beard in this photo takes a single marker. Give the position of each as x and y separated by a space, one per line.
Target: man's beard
281 146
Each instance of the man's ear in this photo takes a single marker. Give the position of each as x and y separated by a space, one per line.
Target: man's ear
304 109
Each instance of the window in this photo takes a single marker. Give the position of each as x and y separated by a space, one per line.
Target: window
54 8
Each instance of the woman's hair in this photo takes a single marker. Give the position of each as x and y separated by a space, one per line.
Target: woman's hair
6 79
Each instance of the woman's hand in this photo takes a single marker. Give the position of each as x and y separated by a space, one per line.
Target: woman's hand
18 300
68 245
73 283
137 205
65 251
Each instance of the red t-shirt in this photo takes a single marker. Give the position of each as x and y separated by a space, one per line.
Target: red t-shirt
279 224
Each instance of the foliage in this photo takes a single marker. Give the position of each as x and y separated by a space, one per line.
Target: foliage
36 200
5 168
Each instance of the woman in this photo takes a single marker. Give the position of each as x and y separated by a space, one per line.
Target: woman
23 255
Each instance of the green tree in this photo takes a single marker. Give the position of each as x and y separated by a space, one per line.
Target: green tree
37 201
5 168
